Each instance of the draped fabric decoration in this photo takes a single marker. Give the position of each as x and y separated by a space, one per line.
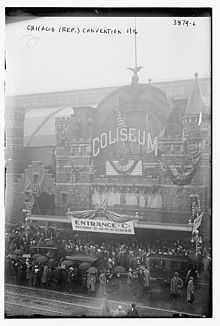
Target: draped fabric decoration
182 175
197 222
83 214
120 122
120 218
102 213
131 167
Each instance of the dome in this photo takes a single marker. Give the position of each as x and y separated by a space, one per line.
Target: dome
140 105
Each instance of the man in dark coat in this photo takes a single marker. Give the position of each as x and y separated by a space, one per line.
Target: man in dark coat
176 285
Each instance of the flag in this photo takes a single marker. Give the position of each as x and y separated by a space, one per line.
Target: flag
200 119
120 120
103 205
147 123
197 222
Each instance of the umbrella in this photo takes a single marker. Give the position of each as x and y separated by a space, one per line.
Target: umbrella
50 243
92 270
36 255
52 262
18 251
50 254
67 263
12 256
41 259
101 264
82 258
43 247
84 266
119 269
26 256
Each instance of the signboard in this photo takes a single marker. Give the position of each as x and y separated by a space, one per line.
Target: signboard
124 135
80 224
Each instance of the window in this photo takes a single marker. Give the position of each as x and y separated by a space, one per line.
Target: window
35 178
64 199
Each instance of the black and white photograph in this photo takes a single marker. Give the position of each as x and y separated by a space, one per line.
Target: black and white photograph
108 163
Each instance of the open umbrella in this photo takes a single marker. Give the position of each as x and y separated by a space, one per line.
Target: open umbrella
82 258
50 243
50 254
41 259
119 269
26 256
36 255
52 262
67 263
84 266
92 270
11 256
18 252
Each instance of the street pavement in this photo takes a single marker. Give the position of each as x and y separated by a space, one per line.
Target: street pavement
22 301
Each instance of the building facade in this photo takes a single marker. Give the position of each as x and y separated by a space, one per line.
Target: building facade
142 149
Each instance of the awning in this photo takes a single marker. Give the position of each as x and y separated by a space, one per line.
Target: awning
163 226
137 224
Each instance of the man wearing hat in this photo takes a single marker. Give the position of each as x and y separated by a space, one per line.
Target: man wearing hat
146 277
176 285
106 311
102 282
190 291
130 277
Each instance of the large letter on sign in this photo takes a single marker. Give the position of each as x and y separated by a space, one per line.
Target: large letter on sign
95 146
104 140
152 146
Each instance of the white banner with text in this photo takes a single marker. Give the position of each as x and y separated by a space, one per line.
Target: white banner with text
80 224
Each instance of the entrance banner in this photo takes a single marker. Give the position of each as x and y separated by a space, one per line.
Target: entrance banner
105 226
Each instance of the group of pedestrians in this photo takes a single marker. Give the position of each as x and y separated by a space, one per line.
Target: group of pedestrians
177 286
132 257
128 253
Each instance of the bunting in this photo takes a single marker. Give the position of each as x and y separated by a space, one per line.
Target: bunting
197 222
132 167
102 213
182 176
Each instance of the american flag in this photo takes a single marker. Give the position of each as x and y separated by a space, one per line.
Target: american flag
120 120
197 222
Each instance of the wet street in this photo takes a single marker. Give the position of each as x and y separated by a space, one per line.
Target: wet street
22 301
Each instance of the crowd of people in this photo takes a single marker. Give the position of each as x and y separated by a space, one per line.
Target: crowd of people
24 236
112 260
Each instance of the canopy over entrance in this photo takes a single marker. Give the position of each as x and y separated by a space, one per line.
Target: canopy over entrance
139 225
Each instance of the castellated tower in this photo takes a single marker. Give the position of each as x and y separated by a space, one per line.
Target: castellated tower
197 136
196 131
